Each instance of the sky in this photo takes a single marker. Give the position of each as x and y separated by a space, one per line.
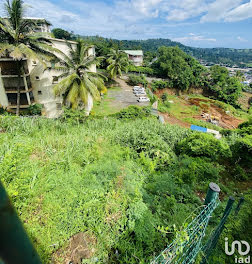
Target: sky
197 23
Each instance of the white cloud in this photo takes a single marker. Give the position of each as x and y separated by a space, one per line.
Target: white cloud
242 39
191 37
147 7
240 13
183 10
206 10
219 9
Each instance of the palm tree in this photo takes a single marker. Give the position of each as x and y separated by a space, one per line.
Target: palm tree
19 41
79 85
118 61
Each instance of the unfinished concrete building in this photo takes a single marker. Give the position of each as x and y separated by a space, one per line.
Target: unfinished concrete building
36 83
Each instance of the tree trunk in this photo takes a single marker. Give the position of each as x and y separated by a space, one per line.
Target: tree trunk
20 70
89 105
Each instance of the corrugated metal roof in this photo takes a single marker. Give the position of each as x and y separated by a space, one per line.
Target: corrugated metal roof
134 52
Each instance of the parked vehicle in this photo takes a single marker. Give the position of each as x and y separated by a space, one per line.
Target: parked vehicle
140 93
137 89
143 99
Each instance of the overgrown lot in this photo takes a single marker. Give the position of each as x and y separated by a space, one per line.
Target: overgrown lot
117 180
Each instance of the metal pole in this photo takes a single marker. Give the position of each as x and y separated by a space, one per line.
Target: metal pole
15 246
212 193
237 210
212 242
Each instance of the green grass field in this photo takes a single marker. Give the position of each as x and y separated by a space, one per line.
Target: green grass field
116 180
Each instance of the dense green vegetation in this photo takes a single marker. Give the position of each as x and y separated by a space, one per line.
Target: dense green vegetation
226 56
63 34
119 180
139 69
223 87
182 70
137 80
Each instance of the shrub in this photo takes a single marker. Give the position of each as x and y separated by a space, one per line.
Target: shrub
164 107
159 85
139 69
4 111
245 128
136 80
204 145
193 170
242 150
32 110
164 97
133 112
73 116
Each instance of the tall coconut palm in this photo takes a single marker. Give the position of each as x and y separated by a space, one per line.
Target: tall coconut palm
79 85
19 41
118 61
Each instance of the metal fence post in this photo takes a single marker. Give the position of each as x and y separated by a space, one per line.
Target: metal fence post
212 242
212 193
15 246
241 201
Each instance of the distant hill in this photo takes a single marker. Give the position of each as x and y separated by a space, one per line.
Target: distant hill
226 56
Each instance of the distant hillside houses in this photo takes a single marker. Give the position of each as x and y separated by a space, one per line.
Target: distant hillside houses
136 56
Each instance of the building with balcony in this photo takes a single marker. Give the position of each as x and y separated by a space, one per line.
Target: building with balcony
136 56
36 83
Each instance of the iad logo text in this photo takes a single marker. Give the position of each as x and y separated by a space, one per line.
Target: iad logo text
238 245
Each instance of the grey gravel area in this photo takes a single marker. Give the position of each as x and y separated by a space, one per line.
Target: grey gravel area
124 96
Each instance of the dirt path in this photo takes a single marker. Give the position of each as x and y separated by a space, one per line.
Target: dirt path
174 121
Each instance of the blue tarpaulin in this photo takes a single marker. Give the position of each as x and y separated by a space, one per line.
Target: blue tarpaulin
198 128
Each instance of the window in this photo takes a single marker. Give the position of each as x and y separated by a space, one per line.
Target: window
37 78
55 79
58 106
39 92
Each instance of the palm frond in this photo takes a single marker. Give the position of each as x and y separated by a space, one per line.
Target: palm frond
15 12
73 95
91 87
83 93
65 84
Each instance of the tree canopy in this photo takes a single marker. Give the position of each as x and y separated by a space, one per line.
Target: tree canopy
224 87
181 69
77 80
62 34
